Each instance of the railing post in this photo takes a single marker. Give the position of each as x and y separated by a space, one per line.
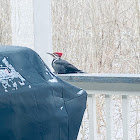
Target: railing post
92 116
43 29
125 116
108 110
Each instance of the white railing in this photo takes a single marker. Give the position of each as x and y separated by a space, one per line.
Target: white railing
107 84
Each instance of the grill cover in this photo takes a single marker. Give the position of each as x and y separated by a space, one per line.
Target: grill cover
34 103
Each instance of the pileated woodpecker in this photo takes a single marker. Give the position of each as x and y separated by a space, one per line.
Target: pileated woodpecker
62 66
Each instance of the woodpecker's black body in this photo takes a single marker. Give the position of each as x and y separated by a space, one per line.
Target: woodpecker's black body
63 67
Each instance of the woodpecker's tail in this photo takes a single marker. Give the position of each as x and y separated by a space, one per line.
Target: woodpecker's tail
80 71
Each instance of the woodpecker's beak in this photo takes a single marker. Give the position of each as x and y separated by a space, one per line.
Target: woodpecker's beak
52 55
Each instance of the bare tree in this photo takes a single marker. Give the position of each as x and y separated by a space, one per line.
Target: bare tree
101 37
5 22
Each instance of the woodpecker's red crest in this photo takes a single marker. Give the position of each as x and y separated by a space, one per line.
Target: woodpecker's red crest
58 54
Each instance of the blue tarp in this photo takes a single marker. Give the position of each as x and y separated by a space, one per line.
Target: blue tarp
34 103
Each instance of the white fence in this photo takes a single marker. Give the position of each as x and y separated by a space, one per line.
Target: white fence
107 84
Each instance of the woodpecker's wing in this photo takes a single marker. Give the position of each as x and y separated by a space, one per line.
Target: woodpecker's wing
69 68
